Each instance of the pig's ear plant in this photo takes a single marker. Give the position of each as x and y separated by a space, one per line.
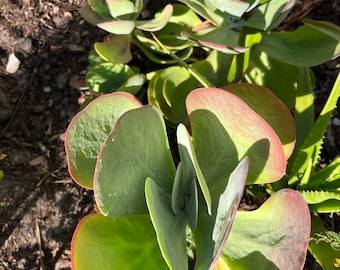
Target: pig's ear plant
150 204
155 213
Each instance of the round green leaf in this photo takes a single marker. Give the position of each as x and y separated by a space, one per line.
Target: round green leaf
275 236
136 148
127 243
224 130
88 130
107 77
271 109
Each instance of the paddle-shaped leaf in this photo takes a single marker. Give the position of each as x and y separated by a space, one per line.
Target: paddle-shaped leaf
236 8
306 46
157 23
116 243
169 227
271 109
212 231
224 130
107 77
186 150
136 148
227 206
275 236
88 131
115 49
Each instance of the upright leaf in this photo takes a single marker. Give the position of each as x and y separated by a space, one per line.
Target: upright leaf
169 227
88 131
213 230
136 148
224 130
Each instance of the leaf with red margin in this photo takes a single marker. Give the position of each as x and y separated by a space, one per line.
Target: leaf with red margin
275 236
116 243
88 130
224 130
271 109
136 148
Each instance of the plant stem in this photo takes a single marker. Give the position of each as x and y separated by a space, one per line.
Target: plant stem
199 77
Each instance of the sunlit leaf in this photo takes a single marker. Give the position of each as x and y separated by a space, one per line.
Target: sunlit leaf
88 131
109 243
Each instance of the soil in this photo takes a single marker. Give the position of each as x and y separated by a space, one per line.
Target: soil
40 205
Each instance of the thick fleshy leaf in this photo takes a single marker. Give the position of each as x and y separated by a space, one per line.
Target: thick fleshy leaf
275 236
270 14
158 22
213 231
88 131
169 227
184 196
322 251
224 130
107 77
136 148
186 151
115 49
133 84
328 28
227 206
236 8
279 77
120 8
109 243
271 109
168 89
207 10
121 27
306 46
222 39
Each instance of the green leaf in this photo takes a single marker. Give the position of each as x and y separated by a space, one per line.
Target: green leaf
186 151
222 39
304 106
207 10
224 130
331 29
133 84
136 148
281 78
184 195
318 196
88 131
323 253
327 178
303 47
168 89
158 22
227 206
107 77
271 109
213 230
170 228
121 27
115 243
115 49
235 8
275 236
312 145
269 15
120 8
